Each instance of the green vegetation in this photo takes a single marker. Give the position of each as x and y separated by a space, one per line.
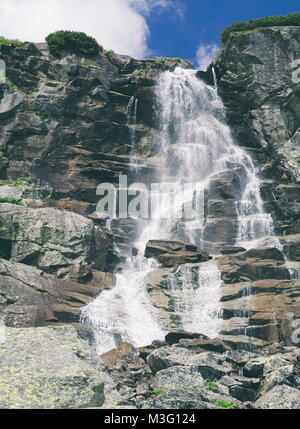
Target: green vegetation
292 19
11 200
2 155
10 83
156 392
94 66
211 386
17 182
40 115
226 405
110 54
73 42
9 42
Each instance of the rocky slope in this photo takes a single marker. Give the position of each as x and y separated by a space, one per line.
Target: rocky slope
64 129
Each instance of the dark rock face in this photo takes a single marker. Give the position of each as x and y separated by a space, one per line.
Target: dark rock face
77 108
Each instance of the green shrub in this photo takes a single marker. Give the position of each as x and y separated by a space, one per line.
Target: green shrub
156 392
226 405
11 200
9 42
2 155
292 19
73 42
110 53
211 386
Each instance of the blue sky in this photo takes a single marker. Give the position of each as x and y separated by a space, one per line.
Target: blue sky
140 28
204 21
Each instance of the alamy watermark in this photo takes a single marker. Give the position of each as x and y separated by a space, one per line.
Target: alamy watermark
174 201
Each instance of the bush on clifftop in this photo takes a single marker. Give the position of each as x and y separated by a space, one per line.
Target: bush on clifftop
73 42
292 19
10 42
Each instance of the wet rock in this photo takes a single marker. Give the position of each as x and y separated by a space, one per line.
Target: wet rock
155 248
230 250
291 246
173 253
242 342
265 253
175 336
238 268
181 258
203 345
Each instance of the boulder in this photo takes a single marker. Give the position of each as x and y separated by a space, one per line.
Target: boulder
279 398
207 364
242 388
175 336
115 356
255 367
155 248
44 368
278 371
55 241
182 387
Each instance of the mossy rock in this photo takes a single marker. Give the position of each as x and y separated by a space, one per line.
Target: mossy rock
48 368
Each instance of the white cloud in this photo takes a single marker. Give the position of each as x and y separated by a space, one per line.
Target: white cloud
205 54
120 25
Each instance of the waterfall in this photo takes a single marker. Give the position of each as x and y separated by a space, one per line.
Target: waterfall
195 146
131 123
196 294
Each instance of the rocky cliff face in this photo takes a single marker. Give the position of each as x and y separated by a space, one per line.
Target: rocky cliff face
63 130
257 83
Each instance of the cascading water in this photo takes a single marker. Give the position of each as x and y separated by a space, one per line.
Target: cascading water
196 295
195 147
131 123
